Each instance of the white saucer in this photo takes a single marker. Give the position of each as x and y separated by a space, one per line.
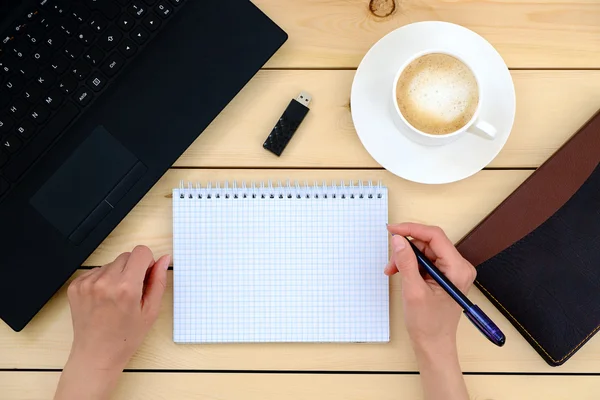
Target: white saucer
372 88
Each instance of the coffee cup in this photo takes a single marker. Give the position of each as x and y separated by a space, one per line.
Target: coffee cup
436 98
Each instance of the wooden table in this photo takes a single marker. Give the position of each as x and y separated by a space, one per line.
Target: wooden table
552 47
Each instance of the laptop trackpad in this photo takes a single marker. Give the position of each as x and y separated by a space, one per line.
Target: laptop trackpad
76 198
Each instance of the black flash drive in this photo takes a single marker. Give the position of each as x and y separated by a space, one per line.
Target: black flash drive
288 124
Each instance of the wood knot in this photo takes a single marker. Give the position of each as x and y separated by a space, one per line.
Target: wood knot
382 8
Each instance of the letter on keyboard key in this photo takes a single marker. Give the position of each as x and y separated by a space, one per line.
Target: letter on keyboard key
113 64
40 114
16 167
163 9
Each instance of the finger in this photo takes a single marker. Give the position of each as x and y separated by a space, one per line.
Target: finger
139 261
156 285
406 262
118 265
424 247
434 236
390 269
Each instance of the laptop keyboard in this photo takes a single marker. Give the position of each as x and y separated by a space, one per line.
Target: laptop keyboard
56 61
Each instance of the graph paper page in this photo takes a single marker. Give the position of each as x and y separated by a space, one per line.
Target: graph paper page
280 269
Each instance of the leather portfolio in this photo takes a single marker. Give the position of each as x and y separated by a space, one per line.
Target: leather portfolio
538 253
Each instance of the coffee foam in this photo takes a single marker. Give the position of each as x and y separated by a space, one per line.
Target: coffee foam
437 94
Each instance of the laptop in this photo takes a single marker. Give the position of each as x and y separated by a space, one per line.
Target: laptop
98 98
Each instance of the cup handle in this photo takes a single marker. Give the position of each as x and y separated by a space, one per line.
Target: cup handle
484 129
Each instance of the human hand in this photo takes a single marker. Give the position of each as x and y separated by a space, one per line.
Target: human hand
430 314
112 308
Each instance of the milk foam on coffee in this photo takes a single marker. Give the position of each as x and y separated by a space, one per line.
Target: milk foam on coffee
437 94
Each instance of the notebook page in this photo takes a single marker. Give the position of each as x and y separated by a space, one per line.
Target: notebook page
280 269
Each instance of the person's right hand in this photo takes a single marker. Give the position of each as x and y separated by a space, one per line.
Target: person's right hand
431 315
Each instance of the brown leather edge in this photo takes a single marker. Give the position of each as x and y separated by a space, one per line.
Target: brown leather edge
538 198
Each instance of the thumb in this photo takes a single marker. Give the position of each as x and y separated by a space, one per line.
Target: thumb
406 261
156 285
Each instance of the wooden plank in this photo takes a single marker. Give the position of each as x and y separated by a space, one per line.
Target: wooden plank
46 342
457 207
532 34
551 106
181 386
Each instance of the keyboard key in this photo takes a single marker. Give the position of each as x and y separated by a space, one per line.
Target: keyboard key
12 144
32 15
80 12
126 22
53 99
4 185
109 39
35 34
33 92
83 96
152 22
176 2
98 22
140 35
112 65
14 84
42 54
94 56
164 9
6 124
59 8
67 84
46 78
106 7
40 114
97 81
86 35
56 40
137 9
81 70
28 69
69 26
60 64
47 23
18 29
8 64
73 49
18 108
127 48
20 49
16 167
26 129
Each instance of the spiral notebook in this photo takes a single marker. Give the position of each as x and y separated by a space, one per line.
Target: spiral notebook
280 263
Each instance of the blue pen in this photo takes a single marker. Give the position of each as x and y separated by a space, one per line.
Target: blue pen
473 313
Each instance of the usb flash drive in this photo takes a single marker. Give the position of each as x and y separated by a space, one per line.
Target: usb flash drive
288 124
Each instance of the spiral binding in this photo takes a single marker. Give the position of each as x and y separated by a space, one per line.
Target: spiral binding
288 190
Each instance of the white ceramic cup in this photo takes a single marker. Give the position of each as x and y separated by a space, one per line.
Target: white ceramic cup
474 126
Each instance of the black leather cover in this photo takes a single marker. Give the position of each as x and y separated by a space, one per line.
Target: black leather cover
548 283
538 253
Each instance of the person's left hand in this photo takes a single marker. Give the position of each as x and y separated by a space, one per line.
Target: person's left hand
113 308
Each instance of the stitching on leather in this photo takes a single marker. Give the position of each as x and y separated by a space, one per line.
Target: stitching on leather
529 334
